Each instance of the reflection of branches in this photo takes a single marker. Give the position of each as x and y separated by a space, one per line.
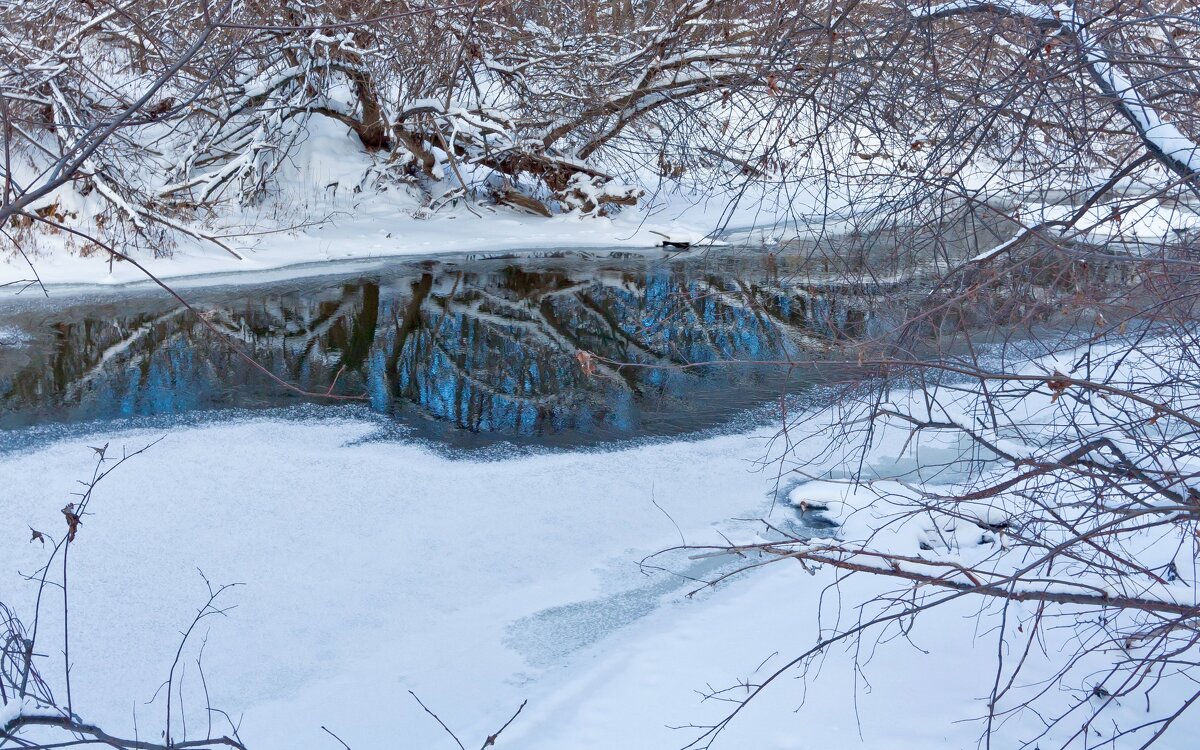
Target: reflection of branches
235 350
107 353
466 375
524 326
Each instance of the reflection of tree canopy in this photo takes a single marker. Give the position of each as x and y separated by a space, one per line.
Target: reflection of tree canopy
488 350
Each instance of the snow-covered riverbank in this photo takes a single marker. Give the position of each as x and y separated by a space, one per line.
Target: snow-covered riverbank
375 568
311 230
371 569
369 235
327 229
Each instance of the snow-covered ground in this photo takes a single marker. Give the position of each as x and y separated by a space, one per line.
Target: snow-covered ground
373 232
381 230
316 215
374 568
371 568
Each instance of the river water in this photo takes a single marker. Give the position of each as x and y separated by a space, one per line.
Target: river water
466 349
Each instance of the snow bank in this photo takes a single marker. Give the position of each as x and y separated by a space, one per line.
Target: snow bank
376 568
370 568
373 568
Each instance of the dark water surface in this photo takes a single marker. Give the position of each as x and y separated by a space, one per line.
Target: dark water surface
456 347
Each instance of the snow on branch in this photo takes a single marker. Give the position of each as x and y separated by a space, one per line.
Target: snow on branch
1169 145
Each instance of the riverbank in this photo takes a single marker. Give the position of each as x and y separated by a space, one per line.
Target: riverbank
312 232
327 231
370 569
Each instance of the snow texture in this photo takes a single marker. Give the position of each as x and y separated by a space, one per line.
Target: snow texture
373 568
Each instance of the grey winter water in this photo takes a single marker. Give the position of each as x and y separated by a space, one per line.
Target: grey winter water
468 350
458 347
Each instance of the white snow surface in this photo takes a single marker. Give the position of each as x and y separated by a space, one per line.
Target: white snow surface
376 231
369 569
318 216
375 568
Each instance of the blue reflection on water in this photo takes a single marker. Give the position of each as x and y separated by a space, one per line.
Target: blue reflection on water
492 350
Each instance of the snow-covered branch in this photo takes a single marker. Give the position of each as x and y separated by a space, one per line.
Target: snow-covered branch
1171 146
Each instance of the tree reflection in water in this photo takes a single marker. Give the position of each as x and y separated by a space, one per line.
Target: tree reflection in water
486 347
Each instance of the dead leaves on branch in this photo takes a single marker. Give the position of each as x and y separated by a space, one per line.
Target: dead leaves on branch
1058 385
73 521
73 512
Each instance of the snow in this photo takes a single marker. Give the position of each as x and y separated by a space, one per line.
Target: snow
374 567
11 710
371 235
370 568
372 230
633 695
360 229
998 249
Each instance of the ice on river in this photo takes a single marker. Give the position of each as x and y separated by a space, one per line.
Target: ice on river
371 568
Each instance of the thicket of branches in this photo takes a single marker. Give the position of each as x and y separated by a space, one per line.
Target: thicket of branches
1073 495
1045 389
164 111
162 116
